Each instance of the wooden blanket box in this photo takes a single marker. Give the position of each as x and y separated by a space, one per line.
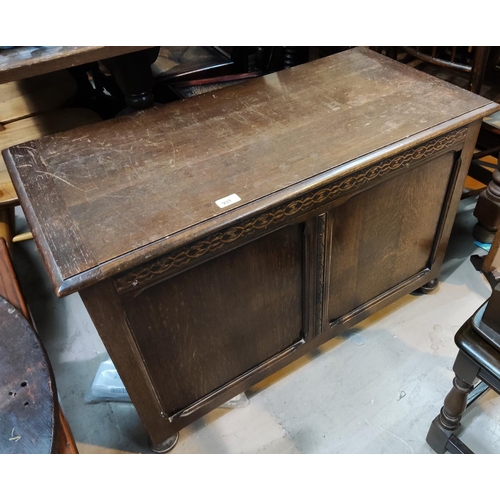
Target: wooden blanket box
217 239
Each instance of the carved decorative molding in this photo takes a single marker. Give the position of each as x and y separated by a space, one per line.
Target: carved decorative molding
151 270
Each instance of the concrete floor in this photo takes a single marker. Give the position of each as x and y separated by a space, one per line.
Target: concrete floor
374 390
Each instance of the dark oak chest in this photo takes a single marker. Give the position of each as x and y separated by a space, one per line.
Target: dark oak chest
215 240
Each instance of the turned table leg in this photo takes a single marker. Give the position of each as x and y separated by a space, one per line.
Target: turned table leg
134 76
487 210
294 56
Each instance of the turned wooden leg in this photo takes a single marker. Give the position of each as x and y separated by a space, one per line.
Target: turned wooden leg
290 56
134 76
487 210
294 56
478 69
455 404
448 420
444 426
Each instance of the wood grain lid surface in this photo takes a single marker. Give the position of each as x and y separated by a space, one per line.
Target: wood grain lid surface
146 183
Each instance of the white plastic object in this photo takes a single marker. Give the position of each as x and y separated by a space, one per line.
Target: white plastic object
108 387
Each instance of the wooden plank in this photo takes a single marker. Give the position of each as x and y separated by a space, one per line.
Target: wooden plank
25 62
8 194
35 95
7 224
472 187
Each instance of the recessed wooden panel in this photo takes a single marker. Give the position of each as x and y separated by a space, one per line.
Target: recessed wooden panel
199 330
385 235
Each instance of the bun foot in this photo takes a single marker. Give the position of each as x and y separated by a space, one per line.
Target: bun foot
429 287
165 446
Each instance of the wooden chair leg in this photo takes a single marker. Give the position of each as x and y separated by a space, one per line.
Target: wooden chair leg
9 285
492 260
7 225
444 426
478 69
65 443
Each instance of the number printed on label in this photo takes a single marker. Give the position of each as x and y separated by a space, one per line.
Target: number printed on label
228 200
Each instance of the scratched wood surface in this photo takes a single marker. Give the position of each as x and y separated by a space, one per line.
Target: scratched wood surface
146 181
33 127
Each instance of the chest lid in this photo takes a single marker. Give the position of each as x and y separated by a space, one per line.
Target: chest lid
103 198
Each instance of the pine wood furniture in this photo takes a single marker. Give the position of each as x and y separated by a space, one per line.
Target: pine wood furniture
217 239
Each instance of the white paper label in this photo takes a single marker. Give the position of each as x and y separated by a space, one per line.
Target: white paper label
228 200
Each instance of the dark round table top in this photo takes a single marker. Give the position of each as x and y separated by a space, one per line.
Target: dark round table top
27 404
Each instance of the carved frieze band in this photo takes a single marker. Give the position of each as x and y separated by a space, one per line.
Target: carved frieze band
151 270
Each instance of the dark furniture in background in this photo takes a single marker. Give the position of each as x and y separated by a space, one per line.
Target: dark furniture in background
216 240
24 62
204 69
469 60
491 264
475 64
478 341
131 68
487 209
